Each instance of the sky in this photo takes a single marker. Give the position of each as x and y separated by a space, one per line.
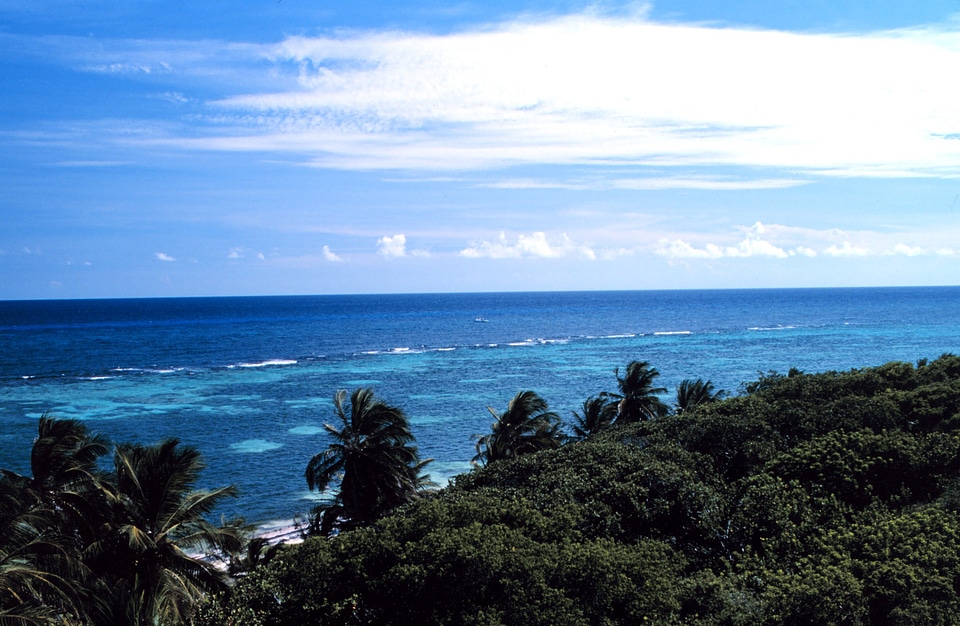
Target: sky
260 147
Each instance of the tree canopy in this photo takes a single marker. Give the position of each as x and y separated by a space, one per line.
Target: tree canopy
826 498
372 460
829 498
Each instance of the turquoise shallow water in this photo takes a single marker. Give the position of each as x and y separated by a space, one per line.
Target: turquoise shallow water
249 381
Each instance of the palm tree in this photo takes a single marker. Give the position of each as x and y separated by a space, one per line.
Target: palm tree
36 570
250 552
691 393
638 397
64 454
373 460
148 553
46 520
64 475
528 425
598 414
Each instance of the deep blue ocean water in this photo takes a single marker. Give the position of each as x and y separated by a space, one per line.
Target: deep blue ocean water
249 380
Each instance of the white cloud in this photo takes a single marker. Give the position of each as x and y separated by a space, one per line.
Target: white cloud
534 245
330 255
161 256
396 247
587 89
779 241
527 183
705 184
753 245
241 252
88 163
392 247
174 97
906 250
846 249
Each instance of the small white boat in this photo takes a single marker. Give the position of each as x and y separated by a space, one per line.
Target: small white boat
481 319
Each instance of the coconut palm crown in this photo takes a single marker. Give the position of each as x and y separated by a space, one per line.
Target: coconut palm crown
639 399
691 393
371 459
597 414
527 425
157 528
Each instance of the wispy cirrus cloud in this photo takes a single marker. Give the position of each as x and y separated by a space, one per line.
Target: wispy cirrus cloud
163 256
592 90
585 89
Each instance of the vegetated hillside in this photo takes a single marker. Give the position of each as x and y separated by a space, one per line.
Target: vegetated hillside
810 499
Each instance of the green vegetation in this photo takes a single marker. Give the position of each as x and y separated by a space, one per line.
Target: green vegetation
639 399
527 426
373 460
82 546
829 498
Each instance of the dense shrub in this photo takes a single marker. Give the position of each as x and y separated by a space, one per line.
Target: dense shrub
827 498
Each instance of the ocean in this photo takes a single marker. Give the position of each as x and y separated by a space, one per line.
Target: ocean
249 381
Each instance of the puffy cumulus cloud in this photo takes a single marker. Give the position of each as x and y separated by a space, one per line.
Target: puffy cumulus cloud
576 90
779 241
392 247
330 255
846 249
240 252
534 245
752 245
396 247
162 256
906 250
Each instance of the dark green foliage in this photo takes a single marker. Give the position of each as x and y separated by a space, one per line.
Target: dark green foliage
597 415
692 393
81 546
153 521
827 498
466 559
638 398
526 426
861 467
372 460
830 498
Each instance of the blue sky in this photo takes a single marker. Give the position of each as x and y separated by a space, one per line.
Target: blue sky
260 147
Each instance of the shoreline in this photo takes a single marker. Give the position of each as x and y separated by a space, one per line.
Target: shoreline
280 531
